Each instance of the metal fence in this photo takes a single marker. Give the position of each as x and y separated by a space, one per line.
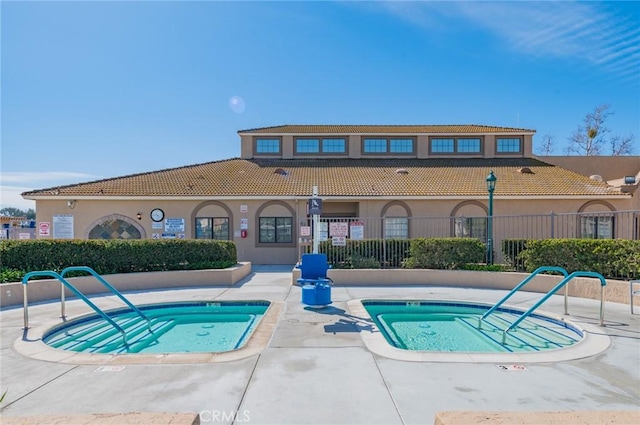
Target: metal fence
370 230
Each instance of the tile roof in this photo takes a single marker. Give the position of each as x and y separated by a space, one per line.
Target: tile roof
341 177
384 129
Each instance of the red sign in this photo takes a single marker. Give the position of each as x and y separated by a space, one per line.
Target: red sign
44 228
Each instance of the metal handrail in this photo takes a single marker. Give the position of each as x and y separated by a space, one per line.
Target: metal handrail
108 286
79 294
564 281
524 282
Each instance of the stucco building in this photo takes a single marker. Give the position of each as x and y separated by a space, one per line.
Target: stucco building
388 177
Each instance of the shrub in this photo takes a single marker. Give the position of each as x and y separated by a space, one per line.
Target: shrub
112 256
609 257
444 253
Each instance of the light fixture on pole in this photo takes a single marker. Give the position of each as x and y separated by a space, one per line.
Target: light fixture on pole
491 186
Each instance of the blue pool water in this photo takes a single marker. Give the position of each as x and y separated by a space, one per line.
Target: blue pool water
453 327
189 327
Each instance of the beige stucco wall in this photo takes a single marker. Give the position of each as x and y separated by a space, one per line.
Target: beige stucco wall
87 213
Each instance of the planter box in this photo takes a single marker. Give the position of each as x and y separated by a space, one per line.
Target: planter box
49 289
582 287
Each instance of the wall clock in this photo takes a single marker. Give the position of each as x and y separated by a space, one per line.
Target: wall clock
157 214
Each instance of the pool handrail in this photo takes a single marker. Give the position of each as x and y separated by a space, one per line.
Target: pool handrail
106 285
603 283
524 282
75 290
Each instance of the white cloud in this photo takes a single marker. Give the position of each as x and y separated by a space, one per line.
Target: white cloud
590 32
12 184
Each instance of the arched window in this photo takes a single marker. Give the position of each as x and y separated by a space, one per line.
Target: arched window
115 227
395 224
469 220
275 224
597 220
213 220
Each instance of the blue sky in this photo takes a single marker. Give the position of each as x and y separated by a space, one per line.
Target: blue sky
94 90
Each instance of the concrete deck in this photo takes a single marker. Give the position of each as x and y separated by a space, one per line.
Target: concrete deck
316 368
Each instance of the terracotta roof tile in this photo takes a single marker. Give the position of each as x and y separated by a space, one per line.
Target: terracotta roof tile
384 129
342 177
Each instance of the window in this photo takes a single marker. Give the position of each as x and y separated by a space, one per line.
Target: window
396 228
442 145
375 145
388 145
314 145
597 227
453 145
469 145
267 145
307 145
212 228
334 145
508 145
470 227
115 229
276 230
401 145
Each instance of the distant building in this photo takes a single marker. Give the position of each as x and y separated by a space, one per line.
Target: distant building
388 174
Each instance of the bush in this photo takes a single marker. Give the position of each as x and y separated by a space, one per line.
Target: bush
444 253
112 256
609 257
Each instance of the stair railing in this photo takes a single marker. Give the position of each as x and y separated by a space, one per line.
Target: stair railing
564 282
523 283
79 294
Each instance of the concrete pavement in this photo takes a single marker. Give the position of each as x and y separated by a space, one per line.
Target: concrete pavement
316 369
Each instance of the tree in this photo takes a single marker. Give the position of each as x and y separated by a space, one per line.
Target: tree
30 214
548 145
591 138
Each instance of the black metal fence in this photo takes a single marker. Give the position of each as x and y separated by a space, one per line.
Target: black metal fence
508 231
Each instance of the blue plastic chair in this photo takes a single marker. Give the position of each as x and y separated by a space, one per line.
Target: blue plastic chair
313 269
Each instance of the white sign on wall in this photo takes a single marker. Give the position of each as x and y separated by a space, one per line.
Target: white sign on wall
339 241
63 226
338 229
356 229
174 225
244 223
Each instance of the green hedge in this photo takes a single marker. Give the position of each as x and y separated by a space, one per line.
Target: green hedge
367 254
114 256
444 253
609 257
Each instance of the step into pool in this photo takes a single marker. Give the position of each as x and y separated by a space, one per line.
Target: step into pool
185 327
444 326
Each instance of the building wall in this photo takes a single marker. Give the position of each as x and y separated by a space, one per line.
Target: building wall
86 214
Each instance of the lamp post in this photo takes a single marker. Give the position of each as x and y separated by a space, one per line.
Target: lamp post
491 185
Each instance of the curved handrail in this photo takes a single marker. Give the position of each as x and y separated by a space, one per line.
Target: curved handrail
109 287
521 284
564 281
79 294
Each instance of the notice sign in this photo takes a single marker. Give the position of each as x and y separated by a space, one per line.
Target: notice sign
174 225
339 241
44 228
338 229
244 223
63 226
356 230
305 231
